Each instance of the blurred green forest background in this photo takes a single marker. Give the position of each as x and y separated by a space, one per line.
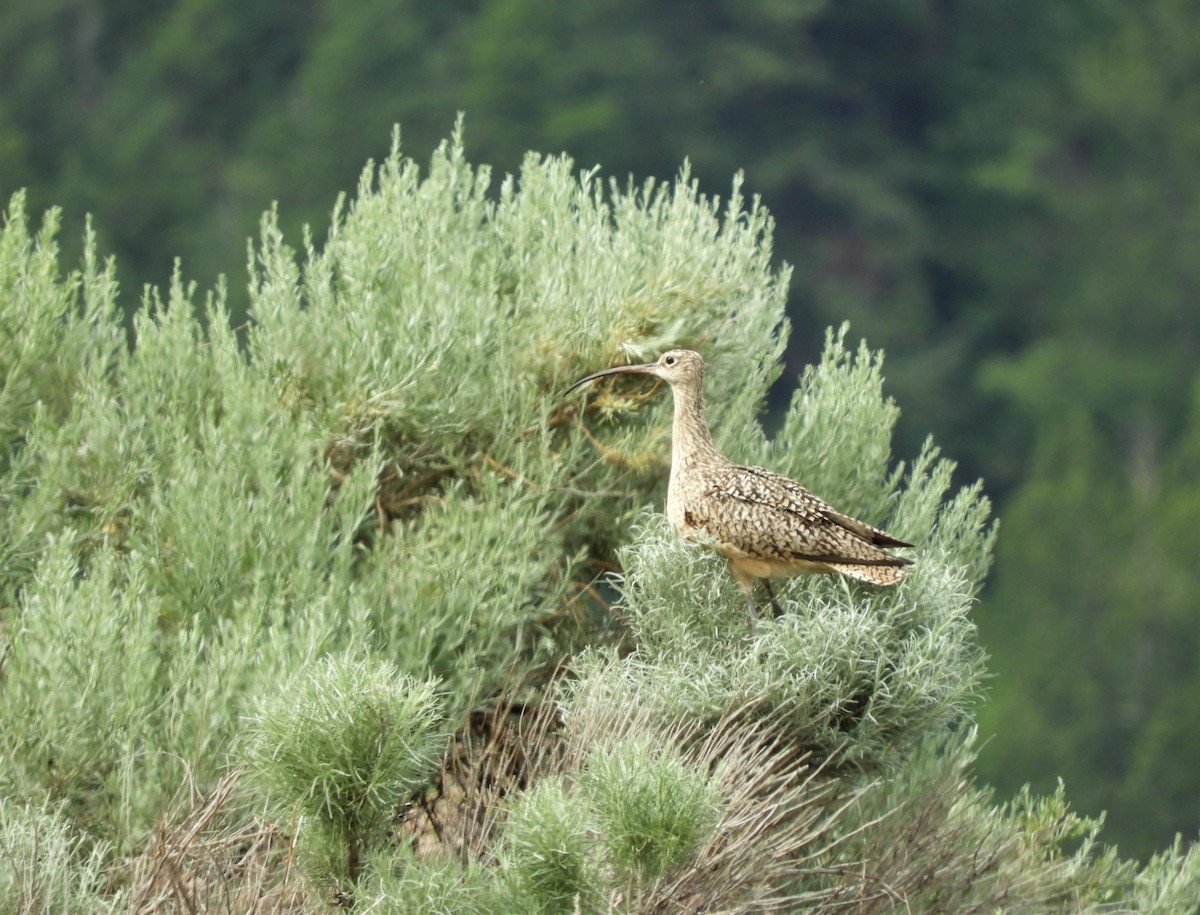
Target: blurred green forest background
1003 196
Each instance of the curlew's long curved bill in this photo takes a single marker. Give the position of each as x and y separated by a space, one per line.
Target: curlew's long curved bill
619 370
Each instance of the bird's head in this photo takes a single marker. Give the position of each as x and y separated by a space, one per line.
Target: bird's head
675 367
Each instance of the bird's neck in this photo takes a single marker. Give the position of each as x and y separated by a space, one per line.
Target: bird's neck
690 439
692 451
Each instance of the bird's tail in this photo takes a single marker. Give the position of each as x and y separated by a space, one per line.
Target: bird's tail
874 574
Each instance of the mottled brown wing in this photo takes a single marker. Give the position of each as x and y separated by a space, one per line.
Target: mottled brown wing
861 528
769 516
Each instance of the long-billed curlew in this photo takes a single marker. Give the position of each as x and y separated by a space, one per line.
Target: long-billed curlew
765 525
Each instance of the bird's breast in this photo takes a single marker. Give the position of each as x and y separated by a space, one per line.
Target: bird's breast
685 499
677 512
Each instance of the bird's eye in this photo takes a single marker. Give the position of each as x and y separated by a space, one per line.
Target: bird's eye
669 360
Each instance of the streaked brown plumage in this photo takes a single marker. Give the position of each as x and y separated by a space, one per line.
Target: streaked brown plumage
765 525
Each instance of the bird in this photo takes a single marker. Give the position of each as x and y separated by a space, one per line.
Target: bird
764 524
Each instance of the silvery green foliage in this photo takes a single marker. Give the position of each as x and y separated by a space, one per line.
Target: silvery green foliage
651 808
635 812
402 884
548 853
339 747
380 459
46 866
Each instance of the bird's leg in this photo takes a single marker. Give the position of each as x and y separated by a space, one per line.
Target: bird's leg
771 594
748 589
746 583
